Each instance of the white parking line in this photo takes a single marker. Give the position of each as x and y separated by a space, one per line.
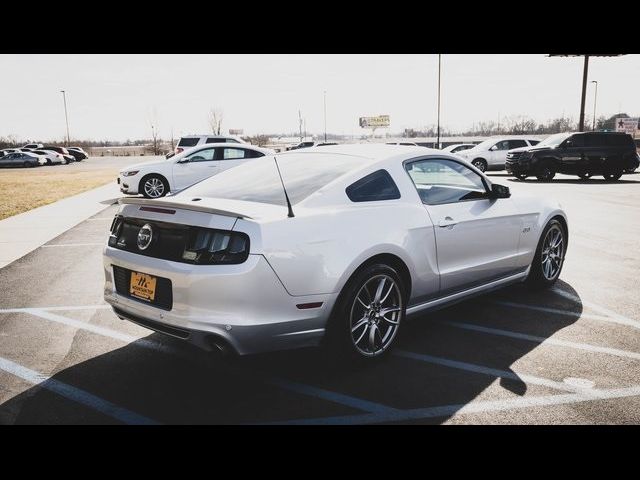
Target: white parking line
73 245
74 394
105 332
492 372
53 309
595 307
469 408
308 390
549 341
569 313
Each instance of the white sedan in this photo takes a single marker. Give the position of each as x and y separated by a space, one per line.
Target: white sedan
157 179
338 243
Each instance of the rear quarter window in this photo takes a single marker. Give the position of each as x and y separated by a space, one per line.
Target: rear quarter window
620 141
188 142
374 187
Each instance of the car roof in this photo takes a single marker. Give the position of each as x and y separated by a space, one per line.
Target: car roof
373 151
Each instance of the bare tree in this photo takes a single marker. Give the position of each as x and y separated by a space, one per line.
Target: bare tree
155 136
215 120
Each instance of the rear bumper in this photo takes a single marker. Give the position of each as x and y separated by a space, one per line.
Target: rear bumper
244 305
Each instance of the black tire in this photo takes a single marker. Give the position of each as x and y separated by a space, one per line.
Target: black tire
480 164
27 164
612 176
145 187
546 172
342 326
521 176
48 162
537 278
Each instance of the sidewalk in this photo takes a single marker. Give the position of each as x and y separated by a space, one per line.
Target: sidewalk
27 231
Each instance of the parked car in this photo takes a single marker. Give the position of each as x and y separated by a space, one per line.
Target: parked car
62 151
190 141
492 153
78 153
458 147
51 157
411 144
22 159
356 242
609 154
324 144
157 179
306 144
34 145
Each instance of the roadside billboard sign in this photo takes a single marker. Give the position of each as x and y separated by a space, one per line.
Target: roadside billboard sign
236 131
374 122
627 125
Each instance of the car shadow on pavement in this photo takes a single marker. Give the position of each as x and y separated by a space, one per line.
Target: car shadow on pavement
435 364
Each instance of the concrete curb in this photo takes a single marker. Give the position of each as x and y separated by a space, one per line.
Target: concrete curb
27 231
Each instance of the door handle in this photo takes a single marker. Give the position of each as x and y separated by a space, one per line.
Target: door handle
447 222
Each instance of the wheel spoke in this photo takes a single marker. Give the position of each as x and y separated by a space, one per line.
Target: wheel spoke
387 294
364 332
372 337
385 311
359 323
379 290
361 302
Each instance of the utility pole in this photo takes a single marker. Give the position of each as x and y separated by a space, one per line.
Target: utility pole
66 116
325 115
585 73
439 68
300 124
595 99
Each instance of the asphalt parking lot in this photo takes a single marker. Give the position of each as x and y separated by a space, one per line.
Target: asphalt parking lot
570 355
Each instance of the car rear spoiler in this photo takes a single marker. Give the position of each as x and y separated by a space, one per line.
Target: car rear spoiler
179 205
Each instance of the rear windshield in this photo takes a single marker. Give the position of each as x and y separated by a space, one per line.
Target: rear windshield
188 142
258 180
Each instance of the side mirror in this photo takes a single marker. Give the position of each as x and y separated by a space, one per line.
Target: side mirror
499 191
183 160
494 148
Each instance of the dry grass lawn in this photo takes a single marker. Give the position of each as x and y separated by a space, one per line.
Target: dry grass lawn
22 189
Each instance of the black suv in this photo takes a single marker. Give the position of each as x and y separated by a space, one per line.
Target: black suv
609 154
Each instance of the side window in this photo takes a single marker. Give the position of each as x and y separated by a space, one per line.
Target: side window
503 145
253 154
188 142
440 181
215 140
202 155
234 153
534 142
593 140
374 187
517 144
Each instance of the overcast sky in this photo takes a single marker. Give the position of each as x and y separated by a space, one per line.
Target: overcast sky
116 96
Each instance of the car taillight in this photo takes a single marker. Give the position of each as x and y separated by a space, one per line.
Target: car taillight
216 247
116 227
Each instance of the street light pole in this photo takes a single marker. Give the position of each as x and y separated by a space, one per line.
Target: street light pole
439 68
585 74
595 99
325 115
66 117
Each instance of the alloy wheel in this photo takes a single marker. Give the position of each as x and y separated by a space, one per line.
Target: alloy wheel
552 253
154 187
375 315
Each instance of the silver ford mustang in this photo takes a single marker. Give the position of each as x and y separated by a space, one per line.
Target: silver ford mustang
332 245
